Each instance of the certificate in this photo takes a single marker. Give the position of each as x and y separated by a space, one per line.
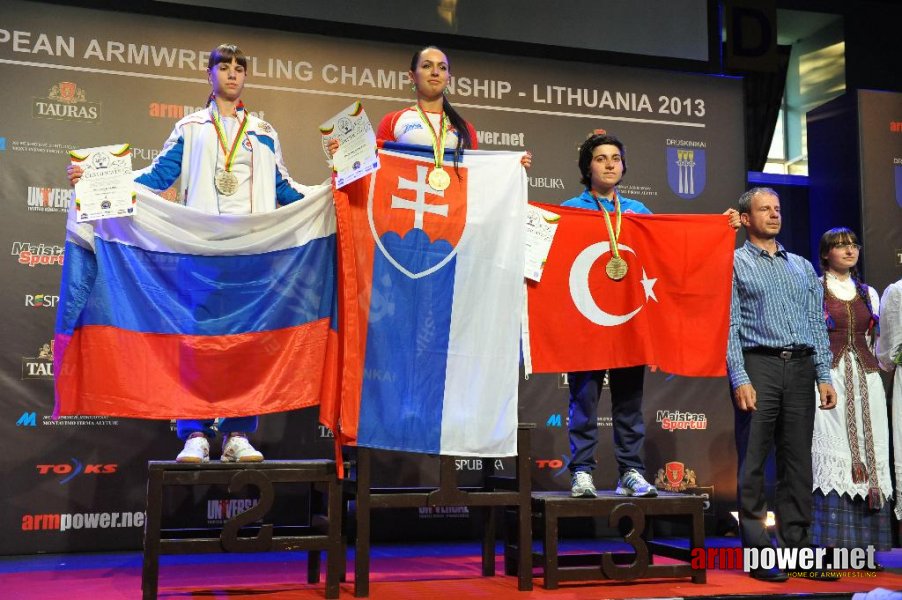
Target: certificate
106 188
541 226
356 156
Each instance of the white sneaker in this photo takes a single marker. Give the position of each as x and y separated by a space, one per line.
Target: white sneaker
196 450
236 448
582 485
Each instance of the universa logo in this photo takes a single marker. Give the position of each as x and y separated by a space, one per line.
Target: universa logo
40 366
28 419
45 199
67 102
41 300
221 510
675 477
37 254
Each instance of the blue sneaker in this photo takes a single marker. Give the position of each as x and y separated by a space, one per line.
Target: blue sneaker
632 483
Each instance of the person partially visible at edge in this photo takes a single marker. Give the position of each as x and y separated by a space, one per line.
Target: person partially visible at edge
889 353
778 354
602 165
227 161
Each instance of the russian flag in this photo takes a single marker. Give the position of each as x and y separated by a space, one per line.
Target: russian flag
432 297
175 313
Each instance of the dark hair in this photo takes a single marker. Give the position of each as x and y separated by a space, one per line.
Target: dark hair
588 147
830 239
224 53
457 121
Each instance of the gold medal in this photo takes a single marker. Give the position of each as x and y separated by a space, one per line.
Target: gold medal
438 179
226 182
616 268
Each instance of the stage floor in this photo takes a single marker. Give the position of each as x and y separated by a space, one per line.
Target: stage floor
448 571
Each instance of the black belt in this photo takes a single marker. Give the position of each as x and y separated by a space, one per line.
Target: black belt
784 353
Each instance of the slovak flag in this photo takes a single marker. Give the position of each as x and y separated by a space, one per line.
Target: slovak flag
176 313
672 309
432 298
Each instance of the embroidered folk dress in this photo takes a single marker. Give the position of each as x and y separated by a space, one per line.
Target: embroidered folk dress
853 438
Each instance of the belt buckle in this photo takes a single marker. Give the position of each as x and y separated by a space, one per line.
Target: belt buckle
786 354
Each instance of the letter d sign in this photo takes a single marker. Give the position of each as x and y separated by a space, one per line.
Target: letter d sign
751 35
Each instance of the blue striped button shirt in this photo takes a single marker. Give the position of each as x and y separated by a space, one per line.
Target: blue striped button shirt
778 303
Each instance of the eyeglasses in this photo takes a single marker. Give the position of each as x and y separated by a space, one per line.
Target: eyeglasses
848 246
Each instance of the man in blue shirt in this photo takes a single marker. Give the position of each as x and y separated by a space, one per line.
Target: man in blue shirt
602 163
777 350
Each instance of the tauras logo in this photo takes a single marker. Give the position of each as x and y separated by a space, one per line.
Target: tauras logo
65 101
40 366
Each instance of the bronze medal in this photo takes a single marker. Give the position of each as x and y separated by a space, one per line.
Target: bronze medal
616 268
439 179
226 183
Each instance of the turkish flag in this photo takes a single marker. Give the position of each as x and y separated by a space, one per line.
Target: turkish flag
672 309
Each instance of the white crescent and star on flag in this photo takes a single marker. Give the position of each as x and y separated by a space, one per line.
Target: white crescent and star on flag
582 297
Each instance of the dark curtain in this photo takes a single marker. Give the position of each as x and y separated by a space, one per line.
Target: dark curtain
763 97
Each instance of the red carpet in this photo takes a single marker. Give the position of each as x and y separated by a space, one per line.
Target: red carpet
115 577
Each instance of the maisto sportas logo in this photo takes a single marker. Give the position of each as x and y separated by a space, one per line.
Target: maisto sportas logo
48 200
66 101
40 366
37 254
671 420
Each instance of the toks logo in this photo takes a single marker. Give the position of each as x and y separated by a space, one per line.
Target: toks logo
675 477
45 199
40 366
76 468
37 254
65 101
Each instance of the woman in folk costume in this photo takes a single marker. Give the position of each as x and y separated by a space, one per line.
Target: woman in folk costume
227 161
850 448
889 353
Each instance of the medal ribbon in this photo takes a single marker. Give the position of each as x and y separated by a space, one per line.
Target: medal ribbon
614 235
438 140
220 135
